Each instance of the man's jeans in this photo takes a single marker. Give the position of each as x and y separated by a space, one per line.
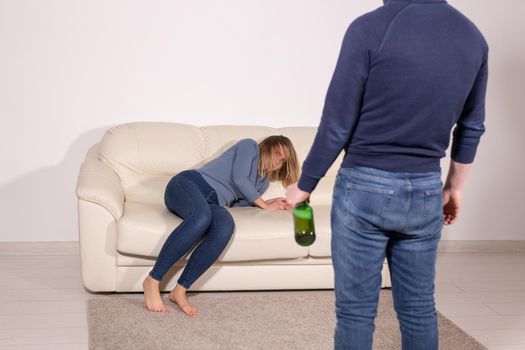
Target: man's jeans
190 197
377 213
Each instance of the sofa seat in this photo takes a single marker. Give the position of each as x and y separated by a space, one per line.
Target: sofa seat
258 235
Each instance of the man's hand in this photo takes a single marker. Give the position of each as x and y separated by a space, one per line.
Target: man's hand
295 194
451 206
457 174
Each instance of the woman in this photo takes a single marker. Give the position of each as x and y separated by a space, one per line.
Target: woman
238 177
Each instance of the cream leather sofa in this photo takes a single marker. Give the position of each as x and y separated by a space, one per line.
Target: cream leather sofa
123 221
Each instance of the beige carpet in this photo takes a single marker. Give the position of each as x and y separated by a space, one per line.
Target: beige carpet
271 320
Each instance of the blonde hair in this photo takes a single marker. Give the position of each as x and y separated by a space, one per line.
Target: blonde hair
289 171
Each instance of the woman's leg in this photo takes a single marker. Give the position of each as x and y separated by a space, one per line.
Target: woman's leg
206 253
184 198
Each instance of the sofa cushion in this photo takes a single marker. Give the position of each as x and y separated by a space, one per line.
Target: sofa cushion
144 154
258 235
321 248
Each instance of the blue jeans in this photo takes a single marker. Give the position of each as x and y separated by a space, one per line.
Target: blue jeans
377 213
190 197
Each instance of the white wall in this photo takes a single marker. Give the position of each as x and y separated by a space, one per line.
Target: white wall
71 69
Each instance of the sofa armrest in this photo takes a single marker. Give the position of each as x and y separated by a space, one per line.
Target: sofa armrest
98 183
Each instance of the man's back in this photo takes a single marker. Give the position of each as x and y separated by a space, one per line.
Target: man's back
407 73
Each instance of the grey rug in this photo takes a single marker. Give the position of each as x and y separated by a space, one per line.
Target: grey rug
270 320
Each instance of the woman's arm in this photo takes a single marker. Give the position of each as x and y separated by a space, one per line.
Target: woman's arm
244 156
261 203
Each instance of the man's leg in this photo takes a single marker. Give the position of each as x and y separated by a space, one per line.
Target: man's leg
412 260
412 269
358 257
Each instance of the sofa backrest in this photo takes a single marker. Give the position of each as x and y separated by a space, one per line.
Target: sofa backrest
146 155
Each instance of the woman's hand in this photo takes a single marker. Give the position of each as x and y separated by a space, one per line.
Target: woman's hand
273 204
277 204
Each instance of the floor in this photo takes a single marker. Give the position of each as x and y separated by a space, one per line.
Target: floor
480 287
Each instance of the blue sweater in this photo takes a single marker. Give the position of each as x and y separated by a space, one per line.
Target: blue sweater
233 175
406 74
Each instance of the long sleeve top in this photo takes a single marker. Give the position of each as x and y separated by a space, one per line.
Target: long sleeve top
234 176
407 73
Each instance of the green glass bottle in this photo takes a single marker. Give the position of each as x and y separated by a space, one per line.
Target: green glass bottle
303 218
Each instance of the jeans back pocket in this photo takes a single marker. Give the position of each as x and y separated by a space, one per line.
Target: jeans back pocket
365 205
432 220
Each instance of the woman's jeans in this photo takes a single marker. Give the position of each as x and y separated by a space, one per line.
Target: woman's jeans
190 197
377 213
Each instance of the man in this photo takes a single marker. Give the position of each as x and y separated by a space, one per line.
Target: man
407 73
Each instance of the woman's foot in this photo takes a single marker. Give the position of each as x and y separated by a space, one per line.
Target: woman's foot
152 298
178 296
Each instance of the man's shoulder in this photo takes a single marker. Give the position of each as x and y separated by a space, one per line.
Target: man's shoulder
382 14
375 23
467 23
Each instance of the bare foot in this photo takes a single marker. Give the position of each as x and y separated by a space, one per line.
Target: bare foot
178 296
152 297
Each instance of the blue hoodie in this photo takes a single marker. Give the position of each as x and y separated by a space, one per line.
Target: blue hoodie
407 73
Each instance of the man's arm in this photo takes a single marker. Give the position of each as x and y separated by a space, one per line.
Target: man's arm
467 134
470 125
341 109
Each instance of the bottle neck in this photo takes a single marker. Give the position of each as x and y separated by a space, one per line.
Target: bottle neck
306 202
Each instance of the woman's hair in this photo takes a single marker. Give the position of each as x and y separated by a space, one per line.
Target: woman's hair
289 171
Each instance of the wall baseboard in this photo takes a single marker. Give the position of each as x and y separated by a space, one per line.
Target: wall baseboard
39 248
73 248
452 246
